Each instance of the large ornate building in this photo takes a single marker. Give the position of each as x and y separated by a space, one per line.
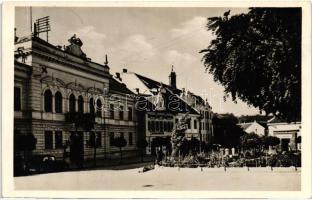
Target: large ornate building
51 81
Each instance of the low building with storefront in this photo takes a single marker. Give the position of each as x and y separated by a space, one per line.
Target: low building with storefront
288 133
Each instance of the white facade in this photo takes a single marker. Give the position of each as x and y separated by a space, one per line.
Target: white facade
287 133
253 127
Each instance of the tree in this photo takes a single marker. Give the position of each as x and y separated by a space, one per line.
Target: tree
25 143
142 144
120 142
85 121
251 141
226 131
270 141
256 56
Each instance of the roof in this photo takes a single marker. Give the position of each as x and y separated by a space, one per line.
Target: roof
244 126
115 85
177 104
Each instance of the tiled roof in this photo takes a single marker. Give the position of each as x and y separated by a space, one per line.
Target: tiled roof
245 125
116 86
180 104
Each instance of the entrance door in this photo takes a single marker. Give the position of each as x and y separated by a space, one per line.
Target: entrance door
285 144
76 146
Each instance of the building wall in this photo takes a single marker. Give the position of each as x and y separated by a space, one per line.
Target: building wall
286 131
256 128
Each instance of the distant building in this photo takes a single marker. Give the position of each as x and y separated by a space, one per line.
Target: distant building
287 132
167 105
258 128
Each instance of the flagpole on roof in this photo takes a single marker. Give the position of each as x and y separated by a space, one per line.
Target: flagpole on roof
30 13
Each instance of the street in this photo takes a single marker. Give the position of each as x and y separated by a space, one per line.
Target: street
231 179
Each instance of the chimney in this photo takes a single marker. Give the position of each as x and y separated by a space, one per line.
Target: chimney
118 76
137 90
173 79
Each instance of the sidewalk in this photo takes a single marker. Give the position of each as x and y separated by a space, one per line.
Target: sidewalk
126 163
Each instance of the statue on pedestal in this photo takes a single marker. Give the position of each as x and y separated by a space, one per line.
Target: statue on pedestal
178 135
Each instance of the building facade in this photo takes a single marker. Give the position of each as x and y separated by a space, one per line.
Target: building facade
164 105
288 133
51 81
254 127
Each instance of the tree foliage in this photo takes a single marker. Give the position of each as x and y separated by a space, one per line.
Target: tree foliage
256 56
251 141
85 121
226 131
25 142
270 141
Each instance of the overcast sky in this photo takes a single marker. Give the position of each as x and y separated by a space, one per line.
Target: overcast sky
147 41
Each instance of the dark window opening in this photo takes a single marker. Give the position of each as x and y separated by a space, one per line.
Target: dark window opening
80 104
91 105
72 103
17 99
48 101
48 140
58 102
58 139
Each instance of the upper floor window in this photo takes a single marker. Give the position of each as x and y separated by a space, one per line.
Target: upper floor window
91 105
121 112
188 124
17 99
48 101
195 124
99 108
72 103
130 113
58 102
111 111
80 104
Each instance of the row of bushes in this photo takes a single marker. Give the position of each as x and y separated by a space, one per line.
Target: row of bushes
278 160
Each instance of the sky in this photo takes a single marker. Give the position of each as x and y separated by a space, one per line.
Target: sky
147 41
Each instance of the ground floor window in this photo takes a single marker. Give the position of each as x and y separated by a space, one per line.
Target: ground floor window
130 139
99 139
58 139
111 138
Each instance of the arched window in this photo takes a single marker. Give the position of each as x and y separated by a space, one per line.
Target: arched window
72 103
80 104
58 102
91 105
48 101
99 108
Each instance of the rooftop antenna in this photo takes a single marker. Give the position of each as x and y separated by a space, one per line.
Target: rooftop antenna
43 26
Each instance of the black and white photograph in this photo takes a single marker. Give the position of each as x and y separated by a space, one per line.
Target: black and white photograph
159 98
